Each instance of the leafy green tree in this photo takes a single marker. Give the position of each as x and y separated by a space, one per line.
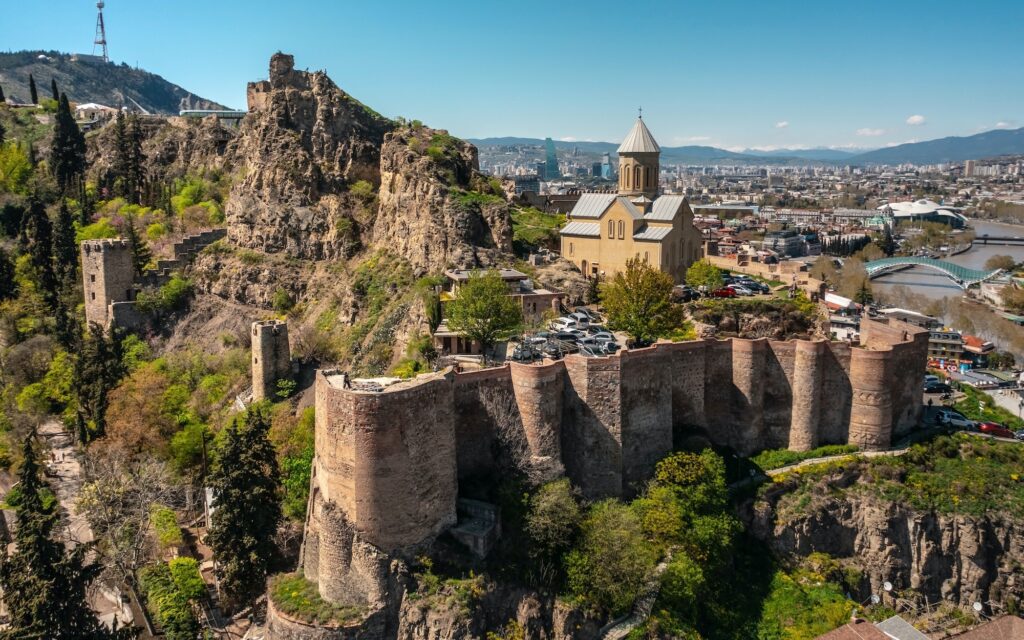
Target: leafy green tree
53 89
704 274
824 269
141 255
863 294
608 567
553 523
45 585
67 150
639 302
32 89
484 311
15 169
246 486
886 242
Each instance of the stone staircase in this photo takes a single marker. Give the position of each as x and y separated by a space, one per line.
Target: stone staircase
184 251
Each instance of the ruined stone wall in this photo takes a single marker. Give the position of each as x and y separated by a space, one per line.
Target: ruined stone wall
908 350
779 392
107 277
539 392
271 357
836 393
687 375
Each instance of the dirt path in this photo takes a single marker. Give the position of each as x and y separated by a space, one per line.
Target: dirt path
642 606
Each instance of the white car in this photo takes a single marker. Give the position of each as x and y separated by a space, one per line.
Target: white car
564 324
582 319
741 290
603 336
953 419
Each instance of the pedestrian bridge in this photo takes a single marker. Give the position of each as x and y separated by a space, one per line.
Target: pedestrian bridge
961 275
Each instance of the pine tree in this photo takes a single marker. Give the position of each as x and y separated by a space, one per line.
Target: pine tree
53 88
44 585
246 485
136 160
37 235
87 206
97 370
65 251
141 255
67 150
32 89
119 165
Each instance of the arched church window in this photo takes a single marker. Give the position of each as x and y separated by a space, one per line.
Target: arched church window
622 229
611 228
636 176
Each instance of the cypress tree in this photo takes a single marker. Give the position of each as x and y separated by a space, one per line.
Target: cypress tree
87 206
97 370
8 288
37 234
141 255
53 88
65 251
119 166
67 151
32 89
136 159
44 585
246 486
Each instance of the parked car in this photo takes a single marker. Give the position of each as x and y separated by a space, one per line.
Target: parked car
610 347
582 319
684 293
563 323
603 336
755 286
565 336
595 329
741 290
931 379
589 341
591 315
937 387
995 429
538 338
951 418
724 292
1019 435
525 353
554 350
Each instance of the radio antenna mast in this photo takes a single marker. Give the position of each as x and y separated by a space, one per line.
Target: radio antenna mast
101 33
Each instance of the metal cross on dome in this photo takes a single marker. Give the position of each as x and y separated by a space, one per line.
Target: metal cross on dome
641 113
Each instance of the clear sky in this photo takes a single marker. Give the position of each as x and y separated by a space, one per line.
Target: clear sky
767 74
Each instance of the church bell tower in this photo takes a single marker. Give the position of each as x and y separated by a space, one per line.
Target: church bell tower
639 163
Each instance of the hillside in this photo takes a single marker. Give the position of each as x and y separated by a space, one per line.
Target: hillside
89 79
998 142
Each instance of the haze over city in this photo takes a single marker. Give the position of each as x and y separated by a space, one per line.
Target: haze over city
734 75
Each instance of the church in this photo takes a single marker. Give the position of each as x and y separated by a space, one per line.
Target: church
605 230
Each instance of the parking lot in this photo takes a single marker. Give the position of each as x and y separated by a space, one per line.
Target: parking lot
581 331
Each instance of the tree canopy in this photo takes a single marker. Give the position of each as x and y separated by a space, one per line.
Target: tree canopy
639 302
483 310
704 274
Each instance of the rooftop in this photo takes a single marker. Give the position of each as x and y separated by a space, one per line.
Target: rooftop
639 140
462 275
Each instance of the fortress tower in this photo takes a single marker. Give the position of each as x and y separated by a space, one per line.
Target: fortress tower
271 357
107 278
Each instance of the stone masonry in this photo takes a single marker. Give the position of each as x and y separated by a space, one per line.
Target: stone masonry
387 462
271 357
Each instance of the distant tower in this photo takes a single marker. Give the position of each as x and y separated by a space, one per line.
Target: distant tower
271 357
101 33
551 171
107 278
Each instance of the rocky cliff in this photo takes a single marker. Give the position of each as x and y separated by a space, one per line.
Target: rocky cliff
326 176
924 554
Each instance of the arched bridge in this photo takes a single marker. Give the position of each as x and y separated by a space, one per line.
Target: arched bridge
961 275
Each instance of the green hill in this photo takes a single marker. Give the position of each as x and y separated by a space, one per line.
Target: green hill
89 79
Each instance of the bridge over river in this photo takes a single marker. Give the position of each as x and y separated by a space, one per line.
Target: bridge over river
963 276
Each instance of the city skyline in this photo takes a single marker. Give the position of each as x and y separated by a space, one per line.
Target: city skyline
738 75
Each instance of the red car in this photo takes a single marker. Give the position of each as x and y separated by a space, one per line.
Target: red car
724 292
995 429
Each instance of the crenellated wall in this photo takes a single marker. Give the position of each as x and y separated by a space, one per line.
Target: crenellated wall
387 462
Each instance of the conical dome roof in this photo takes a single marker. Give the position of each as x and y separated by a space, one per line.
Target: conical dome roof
639 140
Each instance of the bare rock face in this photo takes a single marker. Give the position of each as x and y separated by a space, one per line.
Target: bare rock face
956 558
426 213
303 144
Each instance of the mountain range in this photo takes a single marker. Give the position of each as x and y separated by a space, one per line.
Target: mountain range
989 144
86 78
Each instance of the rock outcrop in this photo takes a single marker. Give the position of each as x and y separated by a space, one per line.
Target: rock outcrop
956 558
326 176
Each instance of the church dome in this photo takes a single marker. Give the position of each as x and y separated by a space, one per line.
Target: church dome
639 140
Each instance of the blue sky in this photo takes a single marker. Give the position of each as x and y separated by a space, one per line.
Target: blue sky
726 73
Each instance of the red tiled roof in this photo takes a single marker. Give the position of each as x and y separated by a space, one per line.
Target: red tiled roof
856 630
1002 628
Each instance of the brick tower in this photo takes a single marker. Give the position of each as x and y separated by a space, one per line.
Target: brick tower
271 357
107 277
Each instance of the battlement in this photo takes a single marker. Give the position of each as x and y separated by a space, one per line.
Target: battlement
387 457
106 244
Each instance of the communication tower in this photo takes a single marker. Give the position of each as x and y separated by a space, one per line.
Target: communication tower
101 33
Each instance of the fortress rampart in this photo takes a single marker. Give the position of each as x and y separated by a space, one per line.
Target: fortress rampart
388 462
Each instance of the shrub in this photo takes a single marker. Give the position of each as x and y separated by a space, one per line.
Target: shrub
165 524
187 579
299 598
282 301
102 228
168 605
778 458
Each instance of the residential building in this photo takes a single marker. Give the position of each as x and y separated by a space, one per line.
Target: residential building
606 230
945 345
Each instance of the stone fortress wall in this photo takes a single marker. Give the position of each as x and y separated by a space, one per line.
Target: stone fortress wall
271 357
388 462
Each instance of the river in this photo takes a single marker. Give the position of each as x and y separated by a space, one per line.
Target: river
935 285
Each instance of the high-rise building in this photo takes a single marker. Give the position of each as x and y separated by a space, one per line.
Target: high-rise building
969 168
606 166
551 171
595 169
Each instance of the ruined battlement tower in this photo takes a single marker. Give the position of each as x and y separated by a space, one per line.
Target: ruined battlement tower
271 357
107 278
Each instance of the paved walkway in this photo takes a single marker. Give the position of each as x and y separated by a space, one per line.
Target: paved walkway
618 629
